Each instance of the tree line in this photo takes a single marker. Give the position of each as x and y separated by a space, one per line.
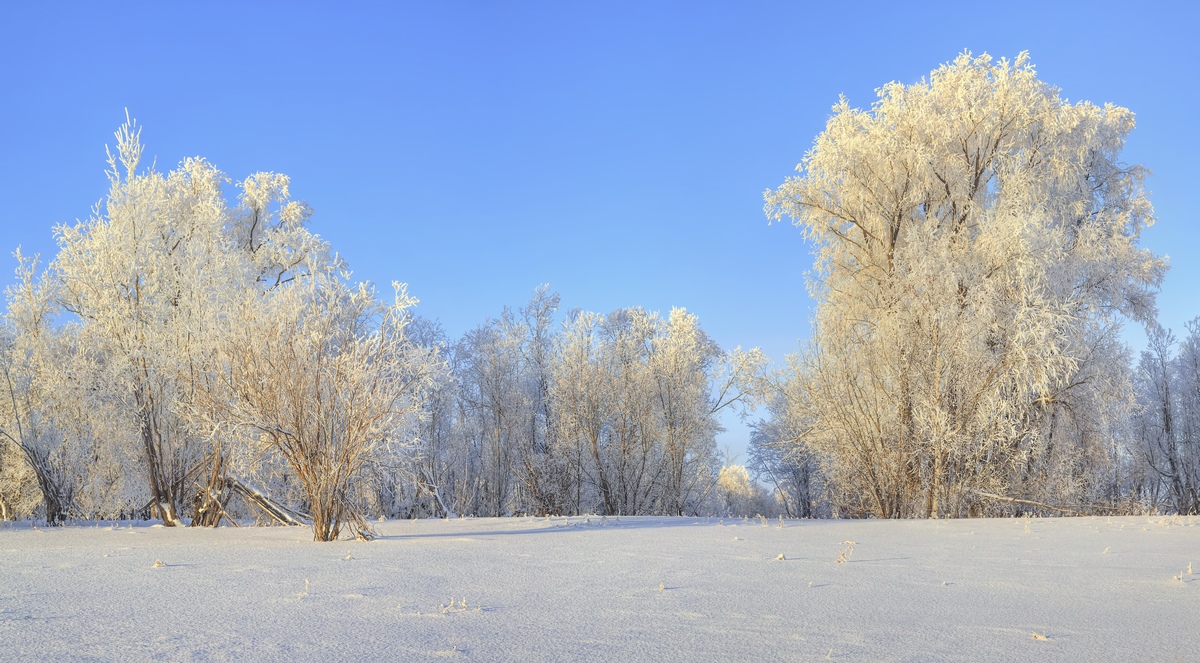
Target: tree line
195 360
196 354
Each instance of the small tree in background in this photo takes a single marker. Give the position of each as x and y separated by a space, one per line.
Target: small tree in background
1166 428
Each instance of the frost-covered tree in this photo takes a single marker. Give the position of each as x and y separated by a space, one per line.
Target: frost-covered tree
1166 428
144 275
538 469
53 410
781 458
503 370
421 483
635 400
681 362
614 413
27 424
153 283
322 373
33 359
735 490
976 241
19 493
1187 367
491 380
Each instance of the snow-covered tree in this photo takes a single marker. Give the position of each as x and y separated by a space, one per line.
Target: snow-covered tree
503 370
682 360
26 422
493 393
54 417
144 276
635 400
781 457
421 482
19 492
1166 428
33 358
537 468
739 495
1187 367
322 373
976 241
225 335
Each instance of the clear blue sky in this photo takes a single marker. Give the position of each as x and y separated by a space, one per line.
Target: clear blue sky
618 151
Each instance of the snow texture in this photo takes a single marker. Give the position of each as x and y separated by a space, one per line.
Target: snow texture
615 589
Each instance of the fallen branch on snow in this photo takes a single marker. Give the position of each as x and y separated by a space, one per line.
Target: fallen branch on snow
1070 508
258 498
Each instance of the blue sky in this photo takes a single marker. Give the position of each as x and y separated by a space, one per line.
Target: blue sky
617 151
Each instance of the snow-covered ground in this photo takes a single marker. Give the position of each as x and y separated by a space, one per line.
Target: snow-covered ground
627 589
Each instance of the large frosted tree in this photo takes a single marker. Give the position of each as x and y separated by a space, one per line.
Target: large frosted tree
150 278
143 276
976 243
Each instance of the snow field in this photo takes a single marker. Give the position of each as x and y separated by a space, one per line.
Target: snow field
616 589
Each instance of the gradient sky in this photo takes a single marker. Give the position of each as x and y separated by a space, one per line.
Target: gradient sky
618 151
